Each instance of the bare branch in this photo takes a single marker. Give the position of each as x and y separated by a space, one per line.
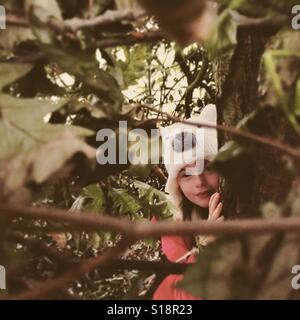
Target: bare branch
81 220
270 21
16 21
141 230
109 17
133 231
113 16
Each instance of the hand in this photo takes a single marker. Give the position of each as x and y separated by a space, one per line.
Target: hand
215 208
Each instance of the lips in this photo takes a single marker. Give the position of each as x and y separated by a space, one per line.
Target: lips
204 193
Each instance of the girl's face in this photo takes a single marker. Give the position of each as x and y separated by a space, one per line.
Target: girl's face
198 188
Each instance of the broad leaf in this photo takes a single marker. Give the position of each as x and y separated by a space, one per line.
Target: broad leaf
10 72
13 36
22 125
44 162
82 65
40 12
210 276
277 284
223 37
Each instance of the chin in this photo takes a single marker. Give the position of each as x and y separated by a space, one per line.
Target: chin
202 203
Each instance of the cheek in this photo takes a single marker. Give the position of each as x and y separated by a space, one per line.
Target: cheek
185 187
213 180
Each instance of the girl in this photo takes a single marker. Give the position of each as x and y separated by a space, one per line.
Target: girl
193 188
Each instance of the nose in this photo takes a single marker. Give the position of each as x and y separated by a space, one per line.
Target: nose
200 180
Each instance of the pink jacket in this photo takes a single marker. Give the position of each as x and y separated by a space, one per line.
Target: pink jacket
174 247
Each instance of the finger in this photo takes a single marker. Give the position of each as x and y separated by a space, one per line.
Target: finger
211 209
220 219
211 199
217 212
215 202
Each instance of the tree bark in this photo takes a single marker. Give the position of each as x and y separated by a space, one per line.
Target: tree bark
266 179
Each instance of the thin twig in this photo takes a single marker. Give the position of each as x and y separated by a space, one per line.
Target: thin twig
194 84
276 144
133 38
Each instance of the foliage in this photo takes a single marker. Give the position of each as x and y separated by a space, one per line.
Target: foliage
61 82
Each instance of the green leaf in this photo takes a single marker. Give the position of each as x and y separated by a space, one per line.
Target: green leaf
85 68
39 13
154 202
134 66
210 277
277 283
123 202
44 162
95 198
22 126
238 268
223 37
13 36
270 65
10 72
36 109
81 64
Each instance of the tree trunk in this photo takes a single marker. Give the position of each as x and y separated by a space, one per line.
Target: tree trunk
238 95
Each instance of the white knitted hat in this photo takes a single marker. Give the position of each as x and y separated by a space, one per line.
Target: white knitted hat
184 144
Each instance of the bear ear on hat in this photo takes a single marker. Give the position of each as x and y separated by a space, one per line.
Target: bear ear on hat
207 115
